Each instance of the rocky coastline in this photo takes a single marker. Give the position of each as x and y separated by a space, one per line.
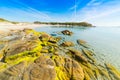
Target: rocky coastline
30 55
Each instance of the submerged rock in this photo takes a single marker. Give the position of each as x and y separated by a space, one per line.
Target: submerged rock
114 73
79 41
88 54
82 43
2 46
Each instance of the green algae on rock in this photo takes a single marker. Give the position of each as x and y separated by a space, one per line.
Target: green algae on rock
38 56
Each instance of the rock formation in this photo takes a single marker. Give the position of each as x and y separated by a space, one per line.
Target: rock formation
38 56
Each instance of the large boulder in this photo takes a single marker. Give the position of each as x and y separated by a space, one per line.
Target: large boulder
67 32
42 69
44 37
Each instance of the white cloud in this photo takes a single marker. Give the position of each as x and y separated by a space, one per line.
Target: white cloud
93 12
23 15
96 10
76 4
95 2
24 12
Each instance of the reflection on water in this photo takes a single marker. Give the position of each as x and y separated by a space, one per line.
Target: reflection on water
105 41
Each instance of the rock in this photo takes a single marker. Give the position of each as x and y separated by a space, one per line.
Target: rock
67 32
10 38
67 44
114 73
27 29
44 37
74 69
59 60
42 69
22 46
78 55
2 46
58 38
53 34
52 40
56 53
13 73
89 54
68 69
79 41
44 51
28 59
82 43
51 49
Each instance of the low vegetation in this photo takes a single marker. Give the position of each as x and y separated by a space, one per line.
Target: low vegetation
4 20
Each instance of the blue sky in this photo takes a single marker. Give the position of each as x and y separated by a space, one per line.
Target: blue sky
97 12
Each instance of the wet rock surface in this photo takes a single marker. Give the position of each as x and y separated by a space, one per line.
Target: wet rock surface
82 43
38 56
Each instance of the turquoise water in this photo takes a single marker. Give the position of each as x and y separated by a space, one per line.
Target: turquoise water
104 40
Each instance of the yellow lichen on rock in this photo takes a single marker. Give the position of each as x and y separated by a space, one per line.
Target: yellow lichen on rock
61 75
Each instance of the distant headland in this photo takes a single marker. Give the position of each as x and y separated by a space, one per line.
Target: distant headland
84 24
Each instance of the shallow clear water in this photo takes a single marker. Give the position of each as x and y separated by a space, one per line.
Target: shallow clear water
104 40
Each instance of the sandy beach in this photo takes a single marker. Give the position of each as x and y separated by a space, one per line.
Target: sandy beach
8 26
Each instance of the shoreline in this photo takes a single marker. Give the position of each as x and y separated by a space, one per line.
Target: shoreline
7 27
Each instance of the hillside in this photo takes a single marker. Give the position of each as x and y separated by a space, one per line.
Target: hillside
3 20
7 21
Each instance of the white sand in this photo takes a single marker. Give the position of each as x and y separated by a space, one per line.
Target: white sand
8 26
